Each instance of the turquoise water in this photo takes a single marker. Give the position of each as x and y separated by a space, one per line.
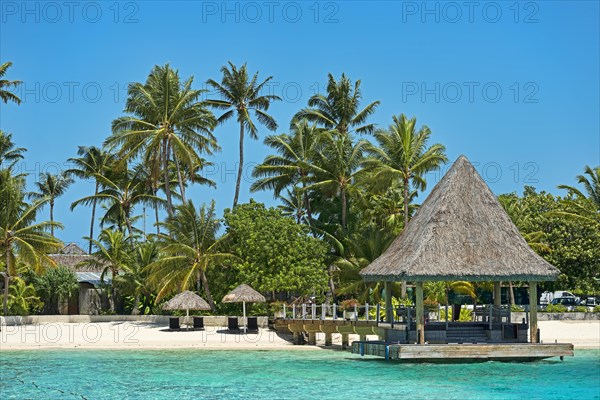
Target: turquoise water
174 374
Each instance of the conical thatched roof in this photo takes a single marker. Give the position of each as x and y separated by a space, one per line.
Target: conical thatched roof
460 232
186 301
244 293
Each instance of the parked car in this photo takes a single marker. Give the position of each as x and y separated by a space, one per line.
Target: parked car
568 302
547 297
590 303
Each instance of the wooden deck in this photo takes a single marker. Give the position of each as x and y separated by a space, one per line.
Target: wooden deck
462 352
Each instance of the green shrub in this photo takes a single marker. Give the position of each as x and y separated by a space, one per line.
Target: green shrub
597 309
556 308
466 315
516 308
580 309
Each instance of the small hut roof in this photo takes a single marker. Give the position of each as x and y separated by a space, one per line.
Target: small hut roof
244 293
460 232
186 301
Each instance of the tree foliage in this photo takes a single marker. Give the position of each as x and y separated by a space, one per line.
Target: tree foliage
275 254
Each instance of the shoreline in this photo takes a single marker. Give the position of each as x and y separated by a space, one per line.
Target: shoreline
125 335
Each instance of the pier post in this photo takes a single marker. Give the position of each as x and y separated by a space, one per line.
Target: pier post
420 319
328 339
497 302
388 301
344 341
533 323
312 338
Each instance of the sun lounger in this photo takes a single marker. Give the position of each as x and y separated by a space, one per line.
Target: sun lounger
232 324
252 324
174 324
198 323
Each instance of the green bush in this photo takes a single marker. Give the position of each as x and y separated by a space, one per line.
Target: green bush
580 309
516 308
466 315
556 308
597 309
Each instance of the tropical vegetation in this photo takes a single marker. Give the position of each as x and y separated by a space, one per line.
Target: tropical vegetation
344 189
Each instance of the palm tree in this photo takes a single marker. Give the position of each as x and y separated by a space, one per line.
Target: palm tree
167 120
51 187
8 153
92 162
113 254
591 185
589 209
339 109
402 154
290 167
335 167
188 251
121 193
20 234
240 95
5 85
134 280
361 249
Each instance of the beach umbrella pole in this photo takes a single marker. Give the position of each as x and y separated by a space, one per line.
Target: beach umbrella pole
245 319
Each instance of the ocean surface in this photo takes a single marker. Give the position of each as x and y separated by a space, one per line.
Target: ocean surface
198 374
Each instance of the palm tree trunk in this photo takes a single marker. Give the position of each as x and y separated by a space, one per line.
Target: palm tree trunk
52 217
166 176
136 304
240 166
403 291
6 281
344 208
93 217
157 219
179 178
207 291
511 294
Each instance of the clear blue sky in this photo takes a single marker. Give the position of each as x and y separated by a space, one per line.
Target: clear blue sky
513 87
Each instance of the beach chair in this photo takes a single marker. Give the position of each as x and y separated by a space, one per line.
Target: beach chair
174 324
252 324
198 323
232 324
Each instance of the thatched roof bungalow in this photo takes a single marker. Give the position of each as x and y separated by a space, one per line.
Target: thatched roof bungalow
461 232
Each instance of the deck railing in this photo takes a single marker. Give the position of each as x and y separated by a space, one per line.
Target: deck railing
487 313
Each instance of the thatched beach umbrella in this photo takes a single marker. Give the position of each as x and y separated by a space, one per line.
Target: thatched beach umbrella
186 301
244 294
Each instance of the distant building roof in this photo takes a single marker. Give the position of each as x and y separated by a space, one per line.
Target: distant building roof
74 257
93 278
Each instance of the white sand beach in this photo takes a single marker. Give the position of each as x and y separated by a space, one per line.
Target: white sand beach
139 335
583 334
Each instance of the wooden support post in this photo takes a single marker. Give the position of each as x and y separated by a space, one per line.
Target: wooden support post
497 302
314 311
303 310
367 312
293 311
334 311
344 341
312 338
328 338
388 302
323 315
533 323
420 314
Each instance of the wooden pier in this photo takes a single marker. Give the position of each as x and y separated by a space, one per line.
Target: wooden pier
452 353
